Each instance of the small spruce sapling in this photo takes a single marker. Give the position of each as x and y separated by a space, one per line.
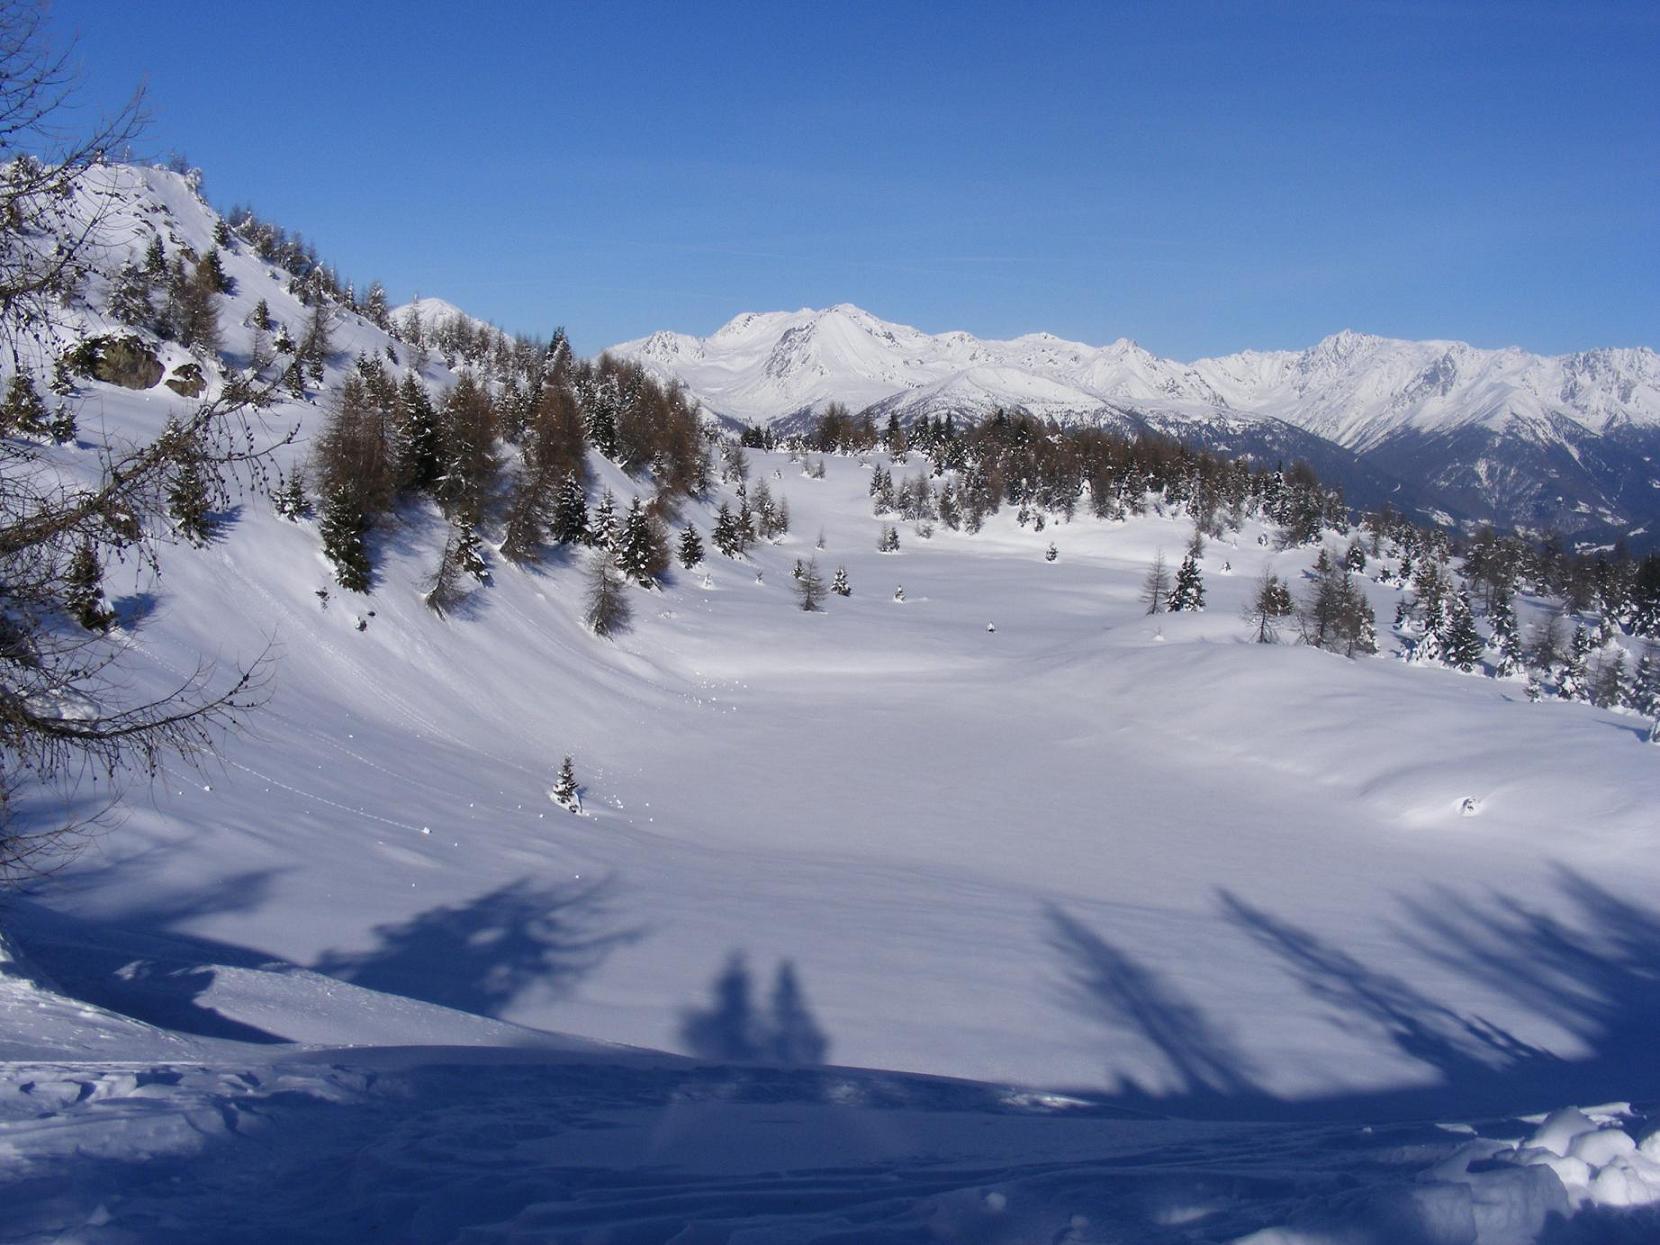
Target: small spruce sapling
566 793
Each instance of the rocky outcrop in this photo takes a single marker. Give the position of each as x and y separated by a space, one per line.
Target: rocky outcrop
187 380
124 361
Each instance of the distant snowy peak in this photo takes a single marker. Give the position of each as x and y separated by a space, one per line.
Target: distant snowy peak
764 367
1353 388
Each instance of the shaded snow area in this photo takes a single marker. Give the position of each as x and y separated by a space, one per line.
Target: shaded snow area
1154 934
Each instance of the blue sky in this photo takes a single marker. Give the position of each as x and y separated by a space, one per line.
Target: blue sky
1200 177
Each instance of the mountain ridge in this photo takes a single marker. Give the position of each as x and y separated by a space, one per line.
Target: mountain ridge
1397 403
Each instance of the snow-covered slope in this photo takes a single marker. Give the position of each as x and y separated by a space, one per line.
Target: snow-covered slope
1182 874
1522 439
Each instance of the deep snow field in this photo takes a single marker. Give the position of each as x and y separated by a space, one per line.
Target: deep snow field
1220 938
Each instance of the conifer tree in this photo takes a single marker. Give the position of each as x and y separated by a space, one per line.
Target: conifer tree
1155 587
62 426
608 609
691 547
602 528
1355 558
211 272
1645 683
1610 686
725 532
839 585
1505 640
132 298
1051 553
809 587
1189 592
1574 684
447 591
375 309
342 526
85 596
23 413
189 492
888 541
1461 645
469 550
1271 603
566 793
570 513
640 550
743 526
289 500
1547 647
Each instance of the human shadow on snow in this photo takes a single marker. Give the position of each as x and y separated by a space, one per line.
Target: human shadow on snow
732 1029
1597 975
480 955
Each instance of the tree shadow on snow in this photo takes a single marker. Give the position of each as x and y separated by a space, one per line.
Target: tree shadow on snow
139 965
481 955
1597 975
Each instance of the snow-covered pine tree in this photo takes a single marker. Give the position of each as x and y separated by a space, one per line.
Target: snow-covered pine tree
641 552
1610 683
1645 682
566 793
62 426
839 585
1189 591
419 438
1270 603
23 413
725 532
84 597
1461 643
1506 640
189 493
570 512
1575 681
690 551
1051 553
602 527
342 526
469 550
888 541
1355 558
289 499
131 299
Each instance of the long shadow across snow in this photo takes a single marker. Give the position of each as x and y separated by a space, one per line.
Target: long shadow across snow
140 965
481 955
1597 975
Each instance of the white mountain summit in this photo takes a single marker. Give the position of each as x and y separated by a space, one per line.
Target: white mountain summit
1488 434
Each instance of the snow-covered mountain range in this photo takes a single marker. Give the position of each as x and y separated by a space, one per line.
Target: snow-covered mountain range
1502 435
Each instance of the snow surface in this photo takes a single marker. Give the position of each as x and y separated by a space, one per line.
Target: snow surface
1352 388
1217 902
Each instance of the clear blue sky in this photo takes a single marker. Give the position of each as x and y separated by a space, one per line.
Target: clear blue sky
1200 177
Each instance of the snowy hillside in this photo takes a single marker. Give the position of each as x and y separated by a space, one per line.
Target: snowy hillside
1230 941
1496 435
